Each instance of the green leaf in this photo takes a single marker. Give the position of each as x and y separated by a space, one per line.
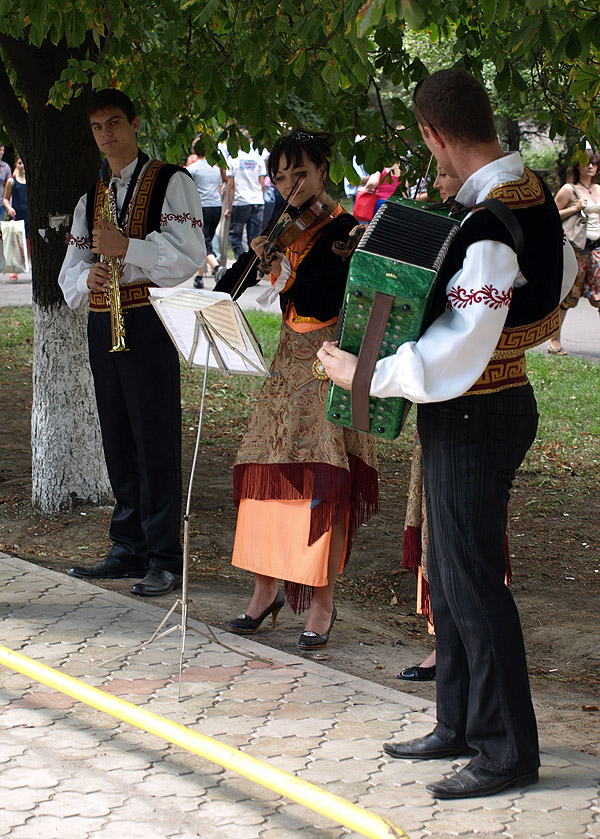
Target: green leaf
546 33
489 9
369 16
413 13
336 171
37 14
573 46
211 7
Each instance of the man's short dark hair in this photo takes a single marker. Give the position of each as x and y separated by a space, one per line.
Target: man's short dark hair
108 98
457 104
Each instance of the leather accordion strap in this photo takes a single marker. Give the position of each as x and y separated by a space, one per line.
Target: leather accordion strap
367 358
506 216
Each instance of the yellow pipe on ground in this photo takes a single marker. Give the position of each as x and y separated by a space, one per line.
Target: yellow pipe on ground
326 803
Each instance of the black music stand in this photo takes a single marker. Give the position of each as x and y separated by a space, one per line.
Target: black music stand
209 330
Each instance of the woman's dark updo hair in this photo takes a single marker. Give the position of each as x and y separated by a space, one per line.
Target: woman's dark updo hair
316 145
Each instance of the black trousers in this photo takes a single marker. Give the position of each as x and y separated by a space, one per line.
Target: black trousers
472 447
138 398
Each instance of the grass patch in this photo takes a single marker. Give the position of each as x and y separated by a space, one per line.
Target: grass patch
567 393
16 336
229 399
566 390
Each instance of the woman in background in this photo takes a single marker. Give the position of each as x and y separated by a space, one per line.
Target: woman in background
15 200
581 196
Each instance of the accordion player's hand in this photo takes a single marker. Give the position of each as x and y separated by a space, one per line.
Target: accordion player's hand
339 365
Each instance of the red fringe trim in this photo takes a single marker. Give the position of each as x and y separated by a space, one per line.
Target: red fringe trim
336 492
425 605
411 556
298 596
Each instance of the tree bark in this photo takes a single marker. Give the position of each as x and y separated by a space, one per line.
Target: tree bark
68 466
513 134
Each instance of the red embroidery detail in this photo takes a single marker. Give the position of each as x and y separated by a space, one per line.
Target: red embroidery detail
181 218
459 298
81 242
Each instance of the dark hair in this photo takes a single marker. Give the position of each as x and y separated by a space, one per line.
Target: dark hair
110 97
456 103
316 145
199 145
574 175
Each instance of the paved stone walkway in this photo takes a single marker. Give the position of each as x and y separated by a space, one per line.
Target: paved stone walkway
71 772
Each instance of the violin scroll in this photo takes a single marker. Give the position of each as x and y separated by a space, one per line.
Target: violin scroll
346 249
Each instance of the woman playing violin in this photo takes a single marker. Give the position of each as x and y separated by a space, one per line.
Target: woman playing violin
302 485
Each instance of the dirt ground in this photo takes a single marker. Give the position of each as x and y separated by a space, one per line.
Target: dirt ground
555 554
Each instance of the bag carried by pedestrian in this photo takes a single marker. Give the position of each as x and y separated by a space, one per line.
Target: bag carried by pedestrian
14 242
575 226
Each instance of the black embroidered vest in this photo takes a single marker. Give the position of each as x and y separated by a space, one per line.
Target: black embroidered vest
533 313
144 217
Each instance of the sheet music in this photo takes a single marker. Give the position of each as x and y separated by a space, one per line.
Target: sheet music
194 317
216 309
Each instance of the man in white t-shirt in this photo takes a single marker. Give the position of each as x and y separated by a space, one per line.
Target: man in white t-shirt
245 197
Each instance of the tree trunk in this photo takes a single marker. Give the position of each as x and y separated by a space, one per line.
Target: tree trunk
61 163
513 134
68 466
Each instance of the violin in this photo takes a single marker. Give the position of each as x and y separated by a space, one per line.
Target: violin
285 229
292 228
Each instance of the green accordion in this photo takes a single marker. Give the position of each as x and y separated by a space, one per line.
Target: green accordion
390 285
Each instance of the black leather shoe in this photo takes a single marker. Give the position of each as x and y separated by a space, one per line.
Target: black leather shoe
310 640
417 674
198 281
429 747
109 568
156 582
245 625
472 781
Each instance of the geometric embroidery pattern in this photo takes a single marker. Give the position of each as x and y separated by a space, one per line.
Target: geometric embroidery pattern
526 192
133 295
526 337
137 223
507 367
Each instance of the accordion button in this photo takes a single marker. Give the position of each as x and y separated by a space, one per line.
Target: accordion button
406 308
336 415
358 293
380 429
466 416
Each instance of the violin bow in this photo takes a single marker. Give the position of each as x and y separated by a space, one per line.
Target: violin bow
236 290
424 174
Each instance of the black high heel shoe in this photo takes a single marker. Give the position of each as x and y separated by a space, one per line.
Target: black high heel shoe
309 640
417 674
245 625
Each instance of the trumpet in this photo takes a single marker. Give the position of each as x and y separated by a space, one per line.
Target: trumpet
113 289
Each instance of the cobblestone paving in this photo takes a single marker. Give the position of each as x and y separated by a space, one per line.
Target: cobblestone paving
71 772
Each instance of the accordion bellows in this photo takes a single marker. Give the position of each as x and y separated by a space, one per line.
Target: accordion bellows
390 285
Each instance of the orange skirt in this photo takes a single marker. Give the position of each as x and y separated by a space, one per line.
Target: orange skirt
271 538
